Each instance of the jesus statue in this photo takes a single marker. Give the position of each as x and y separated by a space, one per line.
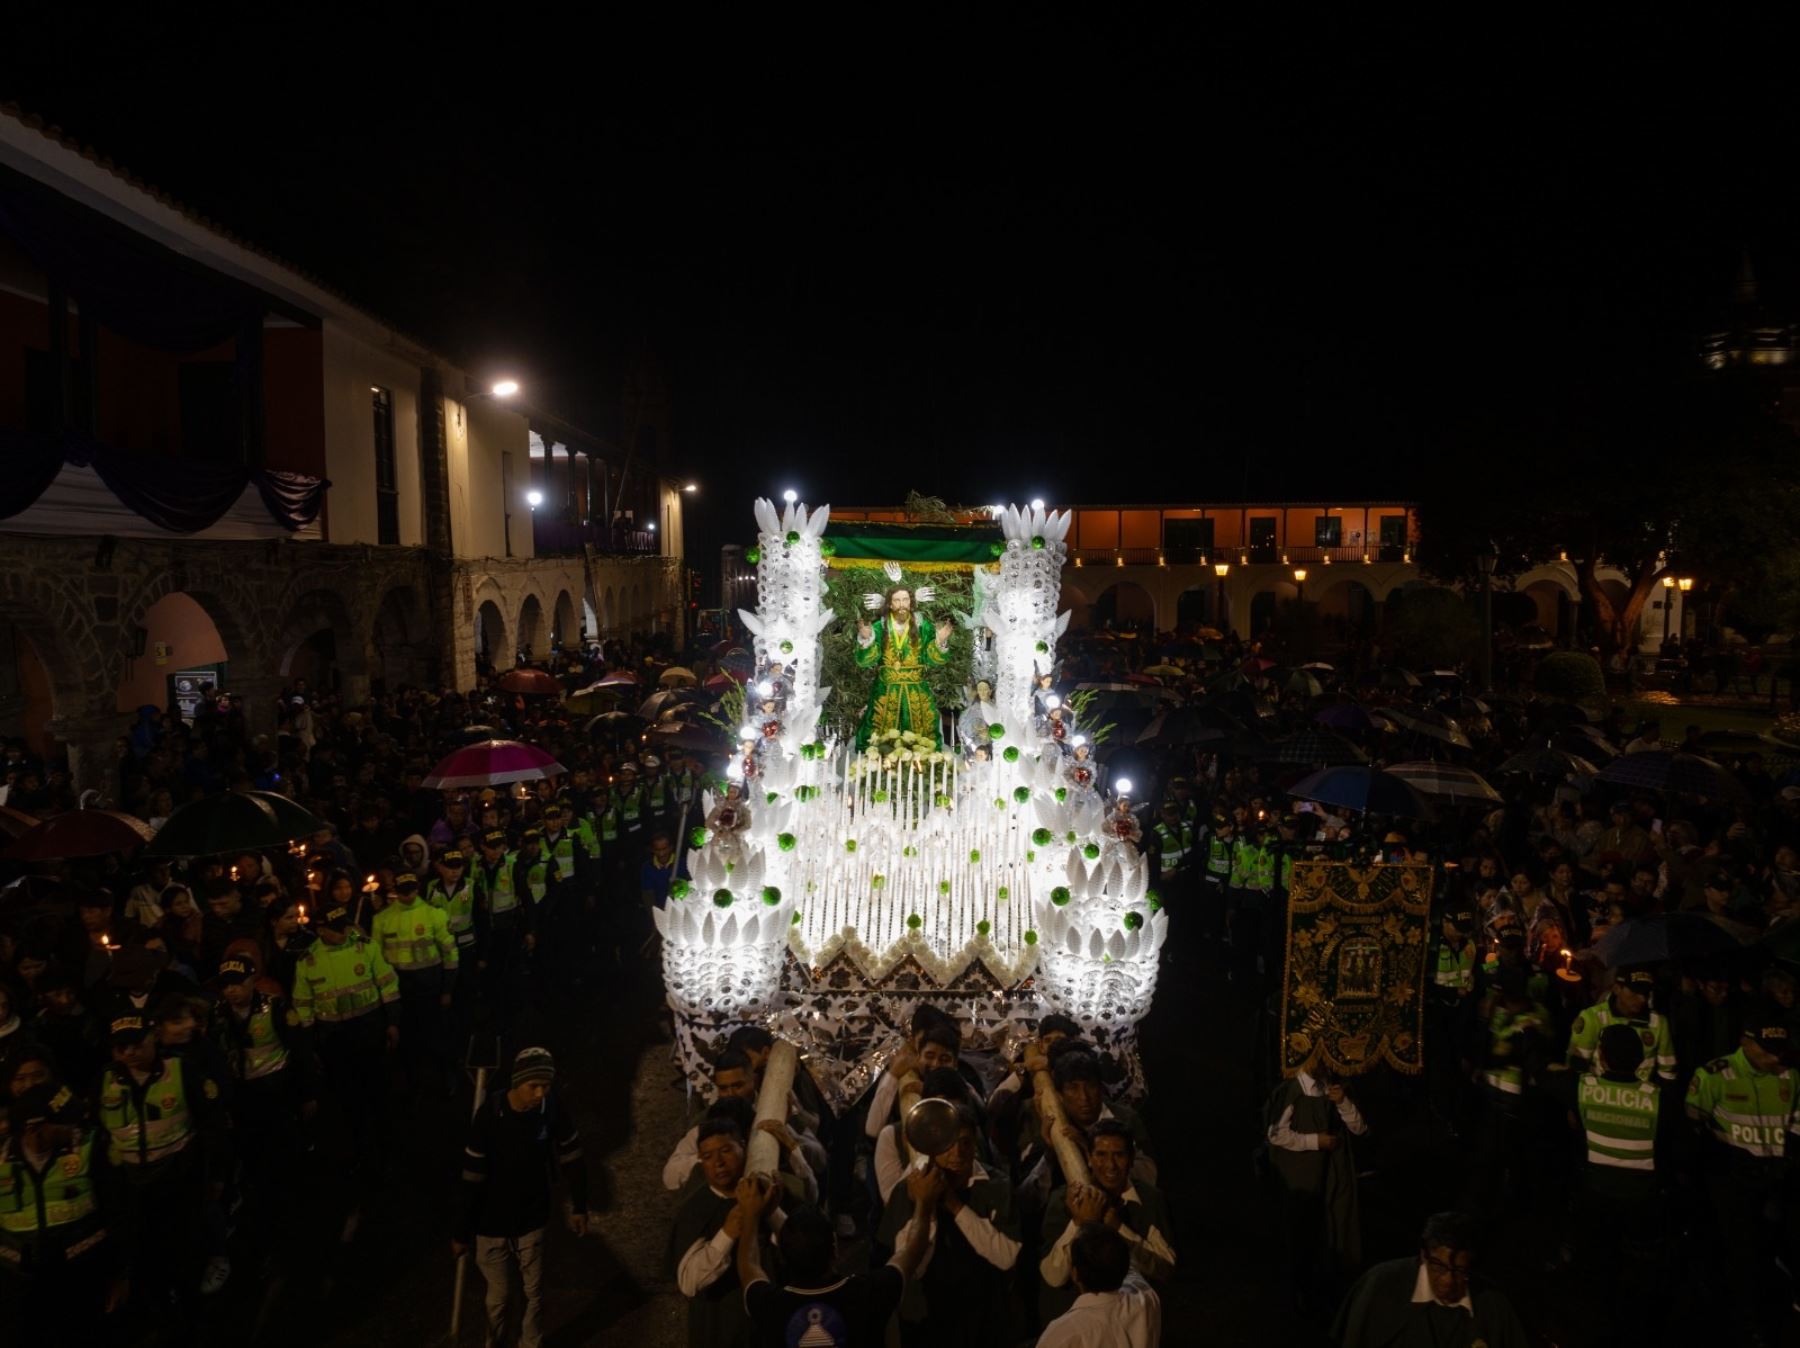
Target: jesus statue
899 646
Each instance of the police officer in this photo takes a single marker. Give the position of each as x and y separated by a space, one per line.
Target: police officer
55 1258
275 1085
1217 878
415 939
166 1138
345 989
1628 1004
1174 841
1625 1130
503 922
1451 1006
1743 1106
452 890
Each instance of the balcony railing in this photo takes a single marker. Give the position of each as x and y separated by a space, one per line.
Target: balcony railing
550 535
1254 556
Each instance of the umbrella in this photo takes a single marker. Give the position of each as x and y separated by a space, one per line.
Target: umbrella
1313 748
1368 789
1166 672
1431 724
1319 665
1177 726
1392 676
14 822
1547 763
1670 770
718 683
493 763
676 676
614 723
1466 706
41 890
1446 781
1209 634
1534 638
1666 936
80 833
619 678
236 821
1142 680
1345 716
470 733
1303 683
661 703
738 661
695 735
1781 940
537 682
592 699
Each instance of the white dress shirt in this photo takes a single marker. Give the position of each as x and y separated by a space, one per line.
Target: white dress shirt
1151 1253
1282 1135
1128 1318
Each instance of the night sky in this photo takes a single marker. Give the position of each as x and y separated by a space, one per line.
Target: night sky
1066 263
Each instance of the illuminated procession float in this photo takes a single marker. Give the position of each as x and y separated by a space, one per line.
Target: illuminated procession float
863 856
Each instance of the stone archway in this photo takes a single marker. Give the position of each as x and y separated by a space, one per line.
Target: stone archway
1075 600
1125 604
492 642
1345 610
319 641
530 642
565 629
400 645
48 670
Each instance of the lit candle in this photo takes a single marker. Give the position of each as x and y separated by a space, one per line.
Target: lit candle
303 914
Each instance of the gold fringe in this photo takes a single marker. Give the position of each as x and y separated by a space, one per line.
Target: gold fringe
875 564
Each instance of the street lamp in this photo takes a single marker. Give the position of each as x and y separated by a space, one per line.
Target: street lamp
1300 584
1221 570
691 488
1668 583
504 388
1486 559
1684 585
534 499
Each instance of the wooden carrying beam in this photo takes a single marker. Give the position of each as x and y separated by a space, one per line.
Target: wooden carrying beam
764 1155
1068 1151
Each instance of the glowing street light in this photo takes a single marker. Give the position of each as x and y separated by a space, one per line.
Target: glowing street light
534 499
505 388
691 487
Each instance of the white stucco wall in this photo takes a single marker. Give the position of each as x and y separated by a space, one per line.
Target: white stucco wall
352 367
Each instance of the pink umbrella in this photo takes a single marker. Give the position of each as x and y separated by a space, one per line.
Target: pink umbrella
81 833
493 763
617 679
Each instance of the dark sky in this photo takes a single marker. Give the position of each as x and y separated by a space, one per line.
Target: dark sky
1101 265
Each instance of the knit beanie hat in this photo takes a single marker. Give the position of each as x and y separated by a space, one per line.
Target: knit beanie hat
533 1064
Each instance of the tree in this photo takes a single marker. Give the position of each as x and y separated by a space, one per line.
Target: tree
1430 627
1692 471
1569 676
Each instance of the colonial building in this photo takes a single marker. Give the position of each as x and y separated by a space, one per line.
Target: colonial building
219 469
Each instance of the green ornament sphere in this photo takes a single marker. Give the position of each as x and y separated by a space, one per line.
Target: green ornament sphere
1003 893
827 548
909 851
1037 542
753 556
914 922
1133 921
1153 899
1031 938
787 648
1091 851
1071 837
1062 794
770 797
785 842
1030 856
1043 648
793 537
983 927
1060 896
877 881
880 798
698 837
995 549
1021 794
1011 755
722 898
680 889
974 856
943 886
999 802
849 844
1040 837
794 921
996 732
771 895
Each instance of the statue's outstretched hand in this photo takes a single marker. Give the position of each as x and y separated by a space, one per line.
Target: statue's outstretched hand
943 637
864 633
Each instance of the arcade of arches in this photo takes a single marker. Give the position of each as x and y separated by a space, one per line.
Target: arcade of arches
87 636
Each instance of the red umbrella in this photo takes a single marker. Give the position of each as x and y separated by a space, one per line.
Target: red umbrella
493 763
1150 679
535 681
15 822
619 678
720 682
81 833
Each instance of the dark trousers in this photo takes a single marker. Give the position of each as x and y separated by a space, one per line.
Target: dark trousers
271 1144
503 980
163 1225
58 1300
424 1037
354 1053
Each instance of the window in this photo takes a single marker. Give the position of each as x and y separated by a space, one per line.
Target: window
1262 538
387 476
1393 537
1328 531
1185 542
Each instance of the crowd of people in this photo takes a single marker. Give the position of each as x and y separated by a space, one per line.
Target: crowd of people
180 1038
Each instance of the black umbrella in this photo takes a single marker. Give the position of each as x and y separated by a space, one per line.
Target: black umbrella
1546 762
688 735
614 723
657 704
1178 726
1672 771
1367 789
1431 724
1313 748
237 821
1391 676
1667 936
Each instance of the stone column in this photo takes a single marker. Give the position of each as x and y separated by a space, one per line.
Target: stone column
91 741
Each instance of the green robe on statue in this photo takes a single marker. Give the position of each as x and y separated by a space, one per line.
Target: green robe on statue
900 698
